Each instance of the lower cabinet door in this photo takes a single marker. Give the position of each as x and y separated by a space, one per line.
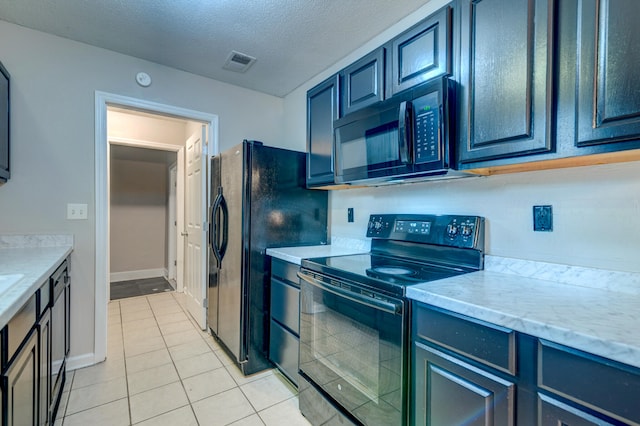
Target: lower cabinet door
448 391
553 413
21 378
283 350
44 325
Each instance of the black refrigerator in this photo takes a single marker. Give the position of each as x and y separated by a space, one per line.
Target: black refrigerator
259 200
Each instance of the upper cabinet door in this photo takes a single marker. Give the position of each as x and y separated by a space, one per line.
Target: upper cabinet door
505 78
608 105
322 109
422 53
363 82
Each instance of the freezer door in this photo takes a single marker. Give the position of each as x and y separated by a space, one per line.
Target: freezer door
230 274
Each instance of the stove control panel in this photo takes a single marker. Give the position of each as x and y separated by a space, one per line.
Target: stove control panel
447 230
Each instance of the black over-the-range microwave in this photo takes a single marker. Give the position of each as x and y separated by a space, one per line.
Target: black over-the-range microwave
408 136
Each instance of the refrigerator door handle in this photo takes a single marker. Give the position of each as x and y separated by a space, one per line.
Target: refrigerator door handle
213 227
225 227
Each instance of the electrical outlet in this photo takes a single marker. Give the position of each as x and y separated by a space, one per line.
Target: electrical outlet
542 218
350 214
76 211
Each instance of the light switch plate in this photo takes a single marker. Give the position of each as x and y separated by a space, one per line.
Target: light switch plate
76 211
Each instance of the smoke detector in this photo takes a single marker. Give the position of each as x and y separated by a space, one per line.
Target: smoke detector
238 62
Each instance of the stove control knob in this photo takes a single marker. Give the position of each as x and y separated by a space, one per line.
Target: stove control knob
467 230
452 230
378 225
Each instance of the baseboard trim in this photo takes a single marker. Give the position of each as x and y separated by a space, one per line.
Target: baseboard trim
115 277
80 361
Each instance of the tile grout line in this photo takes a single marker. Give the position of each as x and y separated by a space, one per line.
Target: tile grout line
173 362
124 358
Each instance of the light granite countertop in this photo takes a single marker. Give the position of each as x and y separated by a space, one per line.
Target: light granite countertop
591 310
33 258
338 247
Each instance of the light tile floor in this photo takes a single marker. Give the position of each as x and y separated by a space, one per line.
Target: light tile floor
161 369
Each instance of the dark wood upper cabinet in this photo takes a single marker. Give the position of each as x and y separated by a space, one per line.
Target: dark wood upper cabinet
363 82
608 104
506 79
423 52
322 109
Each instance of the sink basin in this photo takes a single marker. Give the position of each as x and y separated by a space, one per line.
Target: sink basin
8 280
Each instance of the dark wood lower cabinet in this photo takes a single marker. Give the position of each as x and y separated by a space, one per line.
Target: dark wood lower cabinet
30 388
21 385
448 391
457 378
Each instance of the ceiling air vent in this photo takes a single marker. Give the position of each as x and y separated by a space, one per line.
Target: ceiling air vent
238 62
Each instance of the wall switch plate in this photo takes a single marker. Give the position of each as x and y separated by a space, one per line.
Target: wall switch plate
543 218
76 211
350 214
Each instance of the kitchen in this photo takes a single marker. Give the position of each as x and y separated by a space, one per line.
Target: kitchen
595 207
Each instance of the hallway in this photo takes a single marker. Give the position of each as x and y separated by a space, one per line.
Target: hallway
162 370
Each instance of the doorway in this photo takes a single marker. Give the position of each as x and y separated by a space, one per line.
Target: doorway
141 242
105 101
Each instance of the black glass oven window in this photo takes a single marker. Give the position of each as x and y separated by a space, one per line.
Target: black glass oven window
354 352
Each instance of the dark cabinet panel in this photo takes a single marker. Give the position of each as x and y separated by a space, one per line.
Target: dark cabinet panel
554 413
44 328
608 105
322 109
363 82
283 351
423 52
449 391
60 336
506 78
284 332
606 386
21 384
487 343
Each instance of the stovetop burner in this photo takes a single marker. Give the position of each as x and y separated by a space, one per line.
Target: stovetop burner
391 270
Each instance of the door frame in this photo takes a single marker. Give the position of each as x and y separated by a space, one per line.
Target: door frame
102 101
172 225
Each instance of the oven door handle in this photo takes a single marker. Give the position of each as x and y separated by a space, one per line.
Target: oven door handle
390 307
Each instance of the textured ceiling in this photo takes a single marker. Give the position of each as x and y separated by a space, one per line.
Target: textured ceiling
293 40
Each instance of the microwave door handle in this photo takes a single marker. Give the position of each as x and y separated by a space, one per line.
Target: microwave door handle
404 131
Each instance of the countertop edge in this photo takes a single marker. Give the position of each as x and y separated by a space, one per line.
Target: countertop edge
554 331
20 292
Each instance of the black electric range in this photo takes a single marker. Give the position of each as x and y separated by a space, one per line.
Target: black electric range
354 316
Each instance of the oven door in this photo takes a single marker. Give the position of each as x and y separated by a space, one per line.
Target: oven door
352 347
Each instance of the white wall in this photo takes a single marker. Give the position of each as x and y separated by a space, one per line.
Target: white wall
138 216
596 209
53 89
596 212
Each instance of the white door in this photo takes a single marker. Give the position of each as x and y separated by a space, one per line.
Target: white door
195 214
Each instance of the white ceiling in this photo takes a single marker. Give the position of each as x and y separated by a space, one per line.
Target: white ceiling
293 40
